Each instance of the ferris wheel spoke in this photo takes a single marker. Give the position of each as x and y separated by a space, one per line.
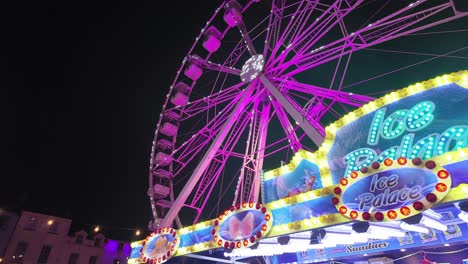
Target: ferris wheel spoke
286 125
317 111
299 16
211 175
183 154
320 100
328 19
274 26
207 157
188 150
343 28
198 106
309 113
312 128
205 186
302 11
311 33
194 59
233 17
207 182
392 26
236 54
347 98
245 35
248 185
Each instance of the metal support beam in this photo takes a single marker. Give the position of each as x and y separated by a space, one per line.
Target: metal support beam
214 259
313 134
206 160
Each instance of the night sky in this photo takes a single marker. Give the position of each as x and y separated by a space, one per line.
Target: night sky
84 84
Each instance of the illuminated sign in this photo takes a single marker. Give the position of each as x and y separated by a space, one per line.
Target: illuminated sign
295 179
395 125
392 190
160 246
368 246
242 226
389 159
426 124
434 239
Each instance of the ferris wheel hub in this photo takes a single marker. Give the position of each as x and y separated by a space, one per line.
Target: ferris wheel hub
252 68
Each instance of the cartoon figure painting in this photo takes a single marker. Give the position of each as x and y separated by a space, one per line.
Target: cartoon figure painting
238 229
453 231
241 229
305 184
406 240
305 187
159 246
305 177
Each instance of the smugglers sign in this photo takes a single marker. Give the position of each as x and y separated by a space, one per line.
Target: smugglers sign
392 189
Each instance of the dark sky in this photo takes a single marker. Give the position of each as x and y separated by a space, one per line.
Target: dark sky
84 84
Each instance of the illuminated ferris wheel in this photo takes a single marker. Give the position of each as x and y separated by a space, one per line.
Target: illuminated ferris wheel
264 78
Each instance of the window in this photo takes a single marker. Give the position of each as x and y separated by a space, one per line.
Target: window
4 219
44 254
73 259
19 252
92 260
97 242
79 239
31 224
54 228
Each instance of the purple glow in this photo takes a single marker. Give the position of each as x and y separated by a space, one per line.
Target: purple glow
193 72
212 43
116 250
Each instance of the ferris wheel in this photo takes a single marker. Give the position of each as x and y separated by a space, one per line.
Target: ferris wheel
264 78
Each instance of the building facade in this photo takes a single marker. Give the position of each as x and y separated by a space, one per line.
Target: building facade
116 252
7 226
84 249
44 239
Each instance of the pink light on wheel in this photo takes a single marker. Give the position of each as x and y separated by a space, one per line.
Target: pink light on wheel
212 43
193 72
232 17
179 99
